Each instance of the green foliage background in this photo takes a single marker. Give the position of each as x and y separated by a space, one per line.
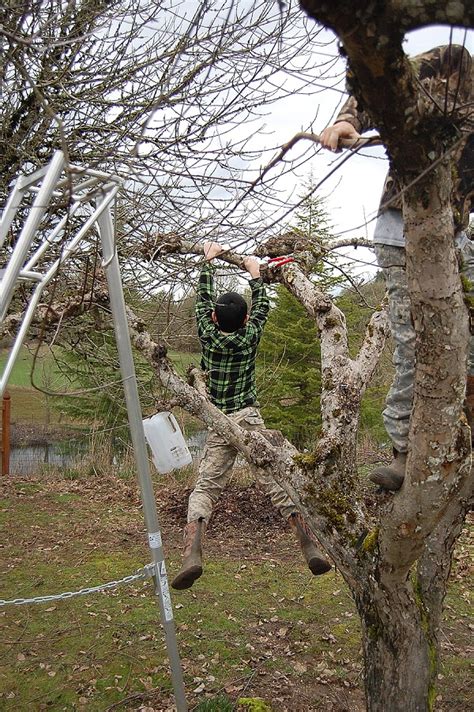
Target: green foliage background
289 370
289 362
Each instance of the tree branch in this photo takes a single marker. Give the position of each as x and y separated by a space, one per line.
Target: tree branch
412 14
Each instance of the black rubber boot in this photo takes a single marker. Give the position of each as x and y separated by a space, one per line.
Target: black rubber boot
192 564
317 563
390 477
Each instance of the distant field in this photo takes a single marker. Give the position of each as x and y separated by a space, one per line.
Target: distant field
45 372
182 360
30 405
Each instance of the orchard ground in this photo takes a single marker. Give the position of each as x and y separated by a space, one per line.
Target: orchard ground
256 625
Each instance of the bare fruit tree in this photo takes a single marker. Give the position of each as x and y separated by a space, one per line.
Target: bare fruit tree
171 98
401 598
396 560
157 93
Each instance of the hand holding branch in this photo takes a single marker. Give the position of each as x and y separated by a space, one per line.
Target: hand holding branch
252 265
332 135
212 249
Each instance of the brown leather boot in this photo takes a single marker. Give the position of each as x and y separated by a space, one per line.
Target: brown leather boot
317 563
469 404
391 476
192 554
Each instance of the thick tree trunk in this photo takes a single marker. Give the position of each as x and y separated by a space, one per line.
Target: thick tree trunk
401 610
434 566
399 653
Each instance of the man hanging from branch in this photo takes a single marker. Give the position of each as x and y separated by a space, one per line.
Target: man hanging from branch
229 338
445 74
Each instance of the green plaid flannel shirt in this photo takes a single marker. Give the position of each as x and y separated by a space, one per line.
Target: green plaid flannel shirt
229 359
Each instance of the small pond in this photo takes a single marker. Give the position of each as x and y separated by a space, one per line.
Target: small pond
26 460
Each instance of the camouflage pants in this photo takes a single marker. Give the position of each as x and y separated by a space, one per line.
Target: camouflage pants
216 467
398 405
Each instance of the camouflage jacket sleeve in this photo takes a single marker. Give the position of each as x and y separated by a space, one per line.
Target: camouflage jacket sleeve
446 76
443 72
351 112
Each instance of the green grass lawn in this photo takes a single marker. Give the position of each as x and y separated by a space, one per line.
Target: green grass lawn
255 625
248 625
182 360
28 404
47 372
39 367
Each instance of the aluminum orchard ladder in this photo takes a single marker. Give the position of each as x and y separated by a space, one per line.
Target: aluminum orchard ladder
89 195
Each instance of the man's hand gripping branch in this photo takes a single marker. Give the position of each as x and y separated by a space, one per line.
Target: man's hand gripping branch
341 130
250 264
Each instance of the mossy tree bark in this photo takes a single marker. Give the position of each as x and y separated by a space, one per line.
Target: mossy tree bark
401 600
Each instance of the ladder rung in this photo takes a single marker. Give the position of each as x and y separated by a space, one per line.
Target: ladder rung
26 275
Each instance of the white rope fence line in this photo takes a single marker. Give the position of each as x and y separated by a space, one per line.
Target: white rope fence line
147 571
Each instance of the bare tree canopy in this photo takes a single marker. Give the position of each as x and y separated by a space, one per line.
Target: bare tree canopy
171 102
151 91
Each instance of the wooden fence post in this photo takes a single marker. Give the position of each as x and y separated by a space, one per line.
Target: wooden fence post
6 433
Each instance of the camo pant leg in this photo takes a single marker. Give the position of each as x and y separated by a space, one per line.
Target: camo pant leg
214 472
398 404
216 466
252 420
466 251
399 401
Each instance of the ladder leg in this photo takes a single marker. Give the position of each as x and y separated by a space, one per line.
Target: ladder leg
127 368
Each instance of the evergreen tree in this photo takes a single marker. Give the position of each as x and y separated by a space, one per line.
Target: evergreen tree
90 365
290 370
290 354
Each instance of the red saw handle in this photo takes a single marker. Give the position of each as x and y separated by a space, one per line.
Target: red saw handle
279 261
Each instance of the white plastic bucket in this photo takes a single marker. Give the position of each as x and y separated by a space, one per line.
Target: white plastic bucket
167 443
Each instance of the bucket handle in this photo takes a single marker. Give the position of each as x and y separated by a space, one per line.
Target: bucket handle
171 420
